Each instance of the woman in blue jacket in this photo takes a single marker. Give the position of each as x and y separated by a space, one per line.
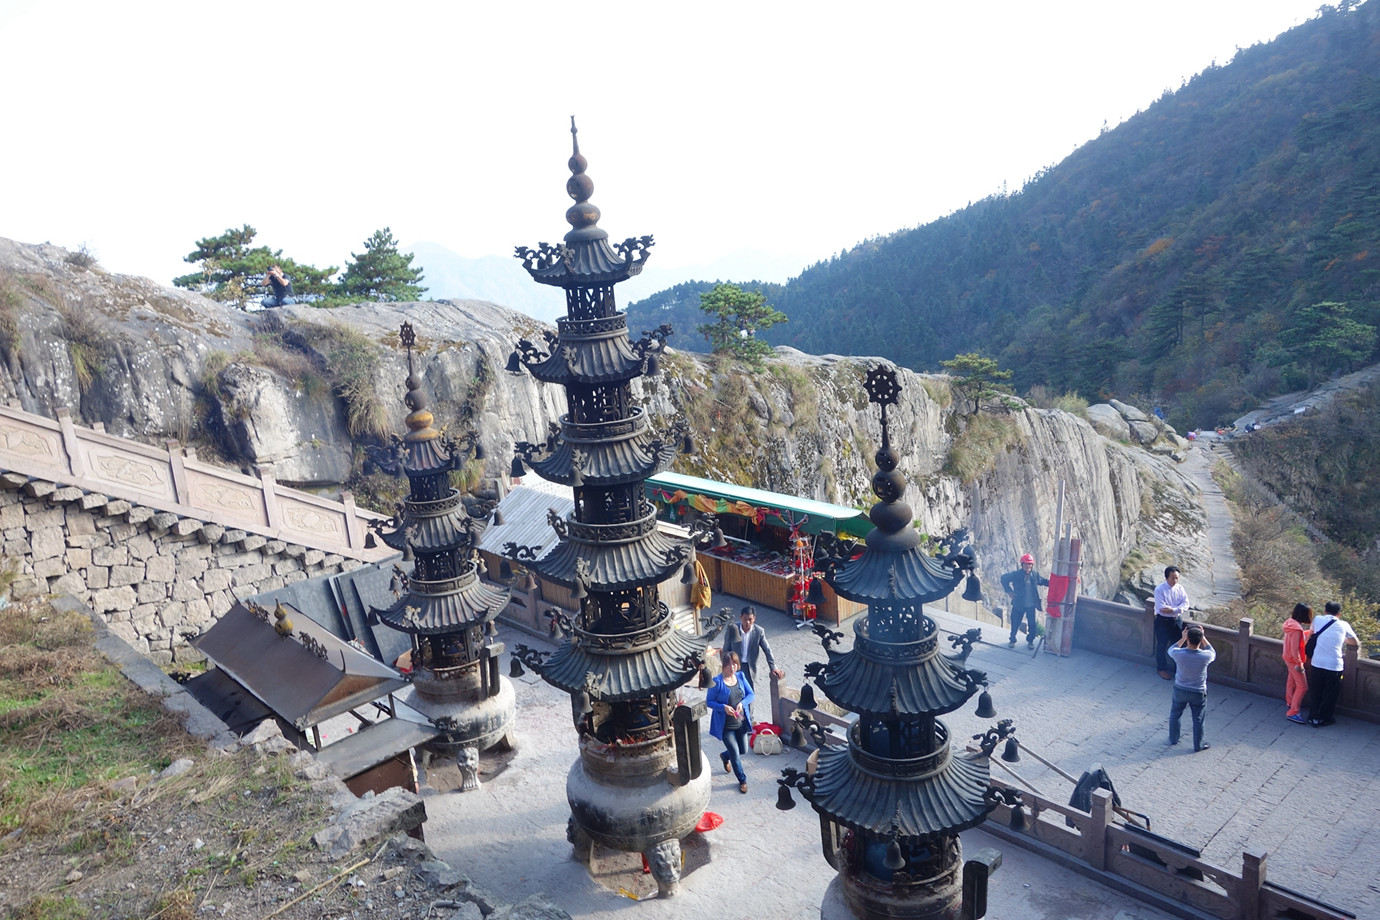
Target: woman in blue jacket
730 697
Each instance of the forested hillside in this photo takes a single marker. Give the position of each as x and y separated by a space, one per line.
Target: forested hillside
1219 247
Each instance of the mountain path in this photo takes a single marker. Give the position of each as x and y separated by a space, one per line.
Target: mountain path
1224 577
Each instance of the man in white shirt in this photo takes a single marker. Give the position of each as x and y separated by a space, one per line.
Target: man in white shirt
1325 668
1171 603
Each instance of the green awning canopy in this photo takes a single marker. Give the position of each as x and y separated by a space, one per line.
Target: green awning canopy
771 508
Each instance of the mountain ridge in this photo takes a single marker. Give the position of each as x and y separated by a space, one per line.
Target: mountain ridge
1176 256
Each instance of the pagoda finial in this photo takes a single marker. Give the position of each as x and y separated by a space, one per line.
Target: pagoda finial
419 419
408 337
582 216
891 515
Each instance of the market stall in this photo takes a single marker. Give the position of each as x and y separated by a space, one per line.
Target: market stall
770 536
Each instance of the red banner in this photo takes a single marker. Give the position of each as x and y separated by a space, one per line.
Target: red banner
1054 598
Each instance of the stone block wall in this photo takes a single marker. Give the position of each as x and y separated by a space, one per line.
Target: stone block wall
154 577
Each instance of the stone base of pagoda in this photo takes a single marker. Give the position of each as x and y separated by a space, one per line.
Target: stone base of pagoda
629 798
859 896
472 726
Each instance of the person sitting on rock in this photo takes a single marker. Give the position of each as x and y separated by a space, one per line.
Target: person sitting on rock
281 289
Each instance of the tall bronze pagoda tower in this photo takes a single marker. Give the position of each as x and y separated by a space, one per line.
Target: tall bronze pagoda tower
892 801
443 606
641 782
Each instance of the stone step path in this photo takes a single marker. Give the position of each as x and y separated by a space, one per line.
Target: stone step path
1223 577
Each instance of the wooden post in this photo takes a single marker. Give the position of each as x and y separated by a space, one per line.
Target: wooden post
1095 838
1071 595
1252 881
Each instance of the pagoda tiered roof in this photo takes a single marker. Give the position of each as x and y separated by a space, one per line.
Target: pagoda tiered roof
593 350
910 576
894 779
433 608
584 262
609 453
426 449
585 259
900 679
629 672
613 557
937 793
435 526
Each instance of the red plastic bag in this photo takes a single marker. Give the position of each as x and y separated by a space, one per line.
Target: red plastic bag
709 821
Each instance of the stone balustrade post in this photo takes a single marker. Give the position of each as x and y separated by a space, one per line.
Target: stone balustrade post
1242 665
76 465
1095 837
1147 630
1248 897
354 529
270 487
181 491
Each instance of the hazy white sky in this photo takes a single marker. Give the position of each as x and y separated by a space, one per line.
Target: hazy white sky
795 129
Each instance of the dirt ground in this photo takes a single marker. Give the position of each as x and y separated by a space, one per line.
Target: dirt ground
228 838
88 830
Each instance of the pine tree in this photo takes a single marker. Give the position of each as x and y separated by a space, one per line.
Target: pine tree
381 272
739 316
978 379
232 269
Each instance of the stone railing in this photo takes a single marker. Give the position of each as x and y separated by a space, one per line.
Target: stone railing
1154 869
1245 661
173 481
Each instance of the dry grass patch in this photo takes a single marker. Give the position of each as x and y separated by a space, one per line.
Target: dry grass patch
976 448
68 719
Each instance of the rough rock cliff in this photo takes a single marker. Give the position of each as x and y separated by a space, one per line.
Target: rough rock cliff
299 388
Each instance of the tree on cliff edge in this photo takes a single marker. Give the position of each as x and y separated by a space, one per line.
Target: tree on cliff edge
380 272
978 379
738 316
232 269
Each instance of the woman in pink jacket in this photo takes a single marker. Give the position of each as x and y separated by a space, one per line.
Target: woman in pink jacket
1296 630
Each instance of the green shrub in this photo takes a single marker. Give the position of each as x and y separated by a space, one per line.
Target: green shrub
1068 401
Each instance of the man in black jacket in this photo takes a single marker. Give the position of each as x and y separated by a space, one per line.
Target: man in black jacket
1023 589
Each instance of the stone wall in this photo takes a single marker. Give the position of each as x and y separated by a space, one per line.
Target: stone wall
154 577
1245 661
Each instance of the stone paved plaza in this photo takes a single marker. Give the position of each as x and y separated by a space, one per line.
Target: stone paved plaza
1305 795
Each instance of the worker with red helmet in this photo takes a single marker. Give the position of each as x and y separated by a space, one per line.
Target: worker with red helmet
1023 589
